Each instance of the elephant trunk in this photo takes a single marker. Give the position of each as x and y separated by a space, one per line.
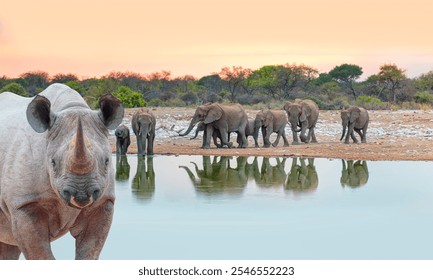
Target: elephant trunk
191 126
195 135
344 131
294 123
143 139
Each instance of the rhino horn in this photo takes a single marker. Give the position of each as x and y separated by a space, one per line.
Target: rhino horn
80 160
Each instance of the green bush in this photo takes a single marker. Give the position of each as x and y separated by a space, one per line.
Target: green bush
371 103
15 88
129 98
424 97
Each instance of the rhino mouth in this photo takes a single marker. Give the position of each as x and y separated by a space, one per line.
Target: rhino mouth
79 203
79 200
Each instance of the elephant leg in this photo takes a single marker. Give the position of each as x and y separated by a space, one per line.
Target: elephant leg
239 140
224 137
9 252
243 136
215 139
124 147
364 134
283 134
150 139
206 140
295 135
361 135
203 141
139 146
118 147
313 135
266 135
277 140
350 133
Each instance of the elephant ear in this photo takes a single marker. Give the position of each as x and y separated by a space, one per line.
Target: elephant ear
287 106
354 115
269 118
214 114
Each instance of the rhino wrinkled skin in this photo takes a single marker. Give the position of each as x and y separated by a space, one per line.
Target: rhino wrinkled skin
56 174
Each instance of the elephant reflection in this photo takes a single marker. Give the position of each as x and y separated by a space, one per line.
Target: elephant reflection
122 168
269 175
218 176
143 184
354 174
302 178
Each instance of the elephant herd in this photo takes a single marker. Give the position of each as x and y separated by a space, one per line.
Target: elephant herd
218 121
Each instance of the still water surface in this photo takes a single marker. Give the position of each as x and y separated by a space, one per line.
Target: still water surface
206 207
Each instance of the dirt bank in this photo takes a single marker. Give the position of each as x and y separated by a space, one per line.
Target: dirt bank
392 135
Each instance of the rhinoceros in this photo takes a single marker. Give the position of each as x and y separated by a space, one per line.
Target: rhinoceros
56 174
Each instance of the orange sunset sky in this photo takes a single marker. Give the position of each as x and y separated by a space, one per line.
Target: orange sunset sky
91 38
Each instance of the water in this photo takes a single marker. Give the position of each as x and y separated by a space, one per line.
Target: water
201 207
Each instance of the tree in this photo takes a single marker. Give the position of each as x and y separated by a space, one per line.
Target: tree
234 78
281 80
391 79
424 81
36 81
346 75
15 88
64 78
129 98
266 79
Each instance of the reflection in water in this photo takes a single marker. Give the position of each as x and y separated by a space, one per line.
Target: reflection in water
354 174
143 184
302 178
218 176
122 168
269 175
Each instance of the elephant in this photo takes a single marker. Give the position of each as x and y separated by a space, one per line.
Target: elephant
354 174
217 176
143 124
270 121
122 168
303 114
250 130
225 118
302 178
143 183
122 140
56 172
355 119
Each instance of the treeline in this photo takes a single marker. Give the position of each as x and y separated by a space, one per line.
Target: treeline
390 88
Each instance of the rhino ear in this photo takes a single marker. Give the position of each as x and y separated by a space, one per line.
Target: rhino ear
39 114
110 111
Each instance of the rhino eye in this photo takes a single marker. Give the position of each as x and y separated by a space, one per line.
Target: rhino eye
53 163
107 161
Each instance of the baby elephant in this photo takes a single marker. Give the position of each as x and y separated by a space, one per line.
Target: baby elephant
122 140
355 119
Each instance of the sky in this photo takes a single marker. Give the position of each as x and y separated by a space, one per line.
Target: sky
200 37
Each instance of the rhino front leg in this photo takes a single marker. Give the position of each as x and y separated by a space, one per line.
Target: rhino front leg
9 252
91 231
31 230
